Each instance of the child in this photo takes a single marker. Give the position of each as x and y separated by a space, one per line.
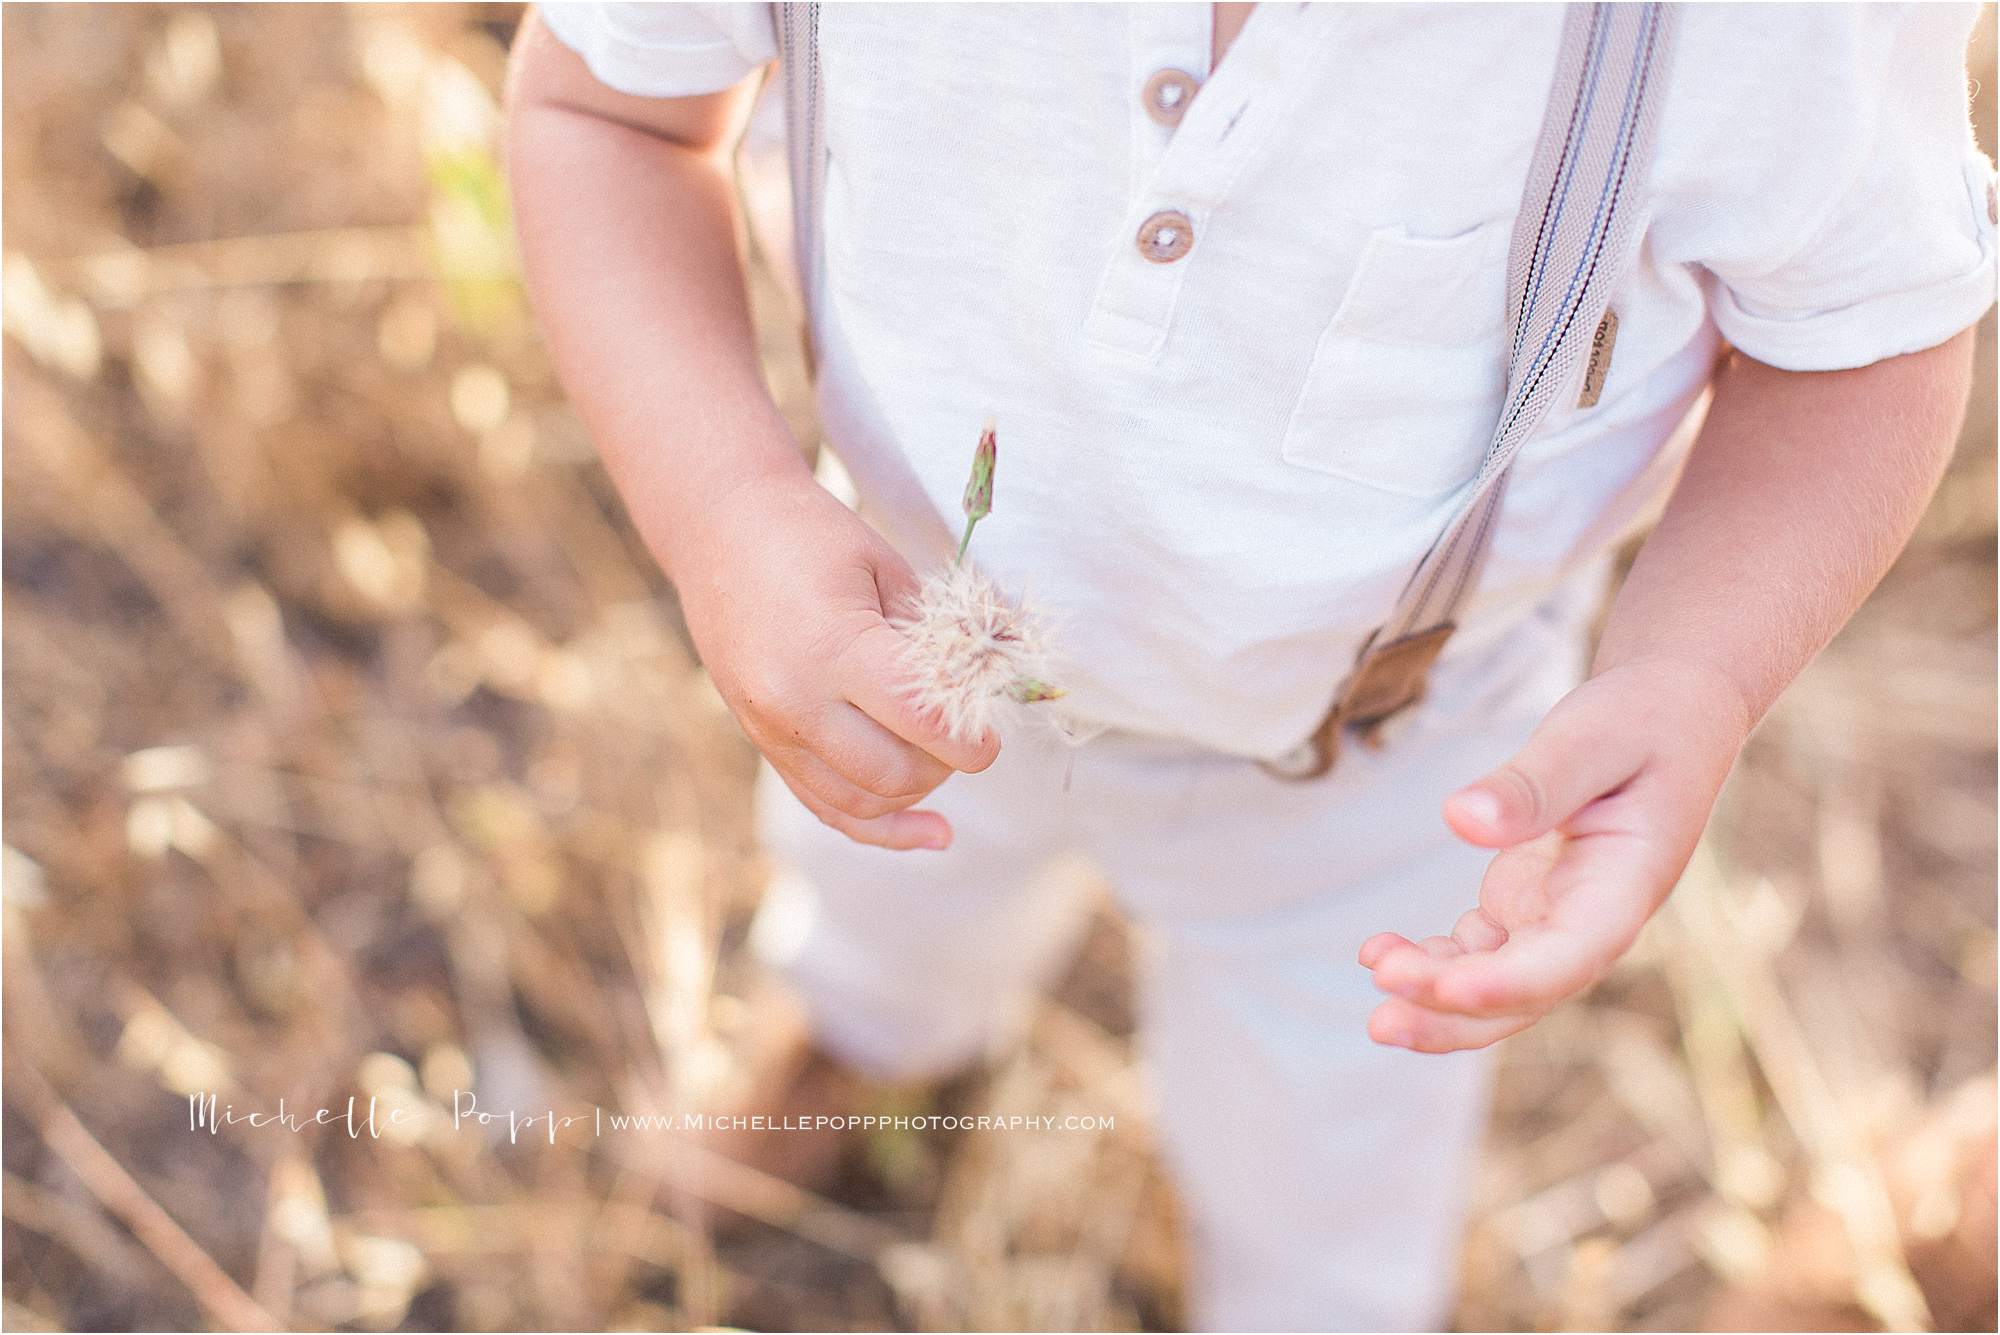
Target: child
1236 293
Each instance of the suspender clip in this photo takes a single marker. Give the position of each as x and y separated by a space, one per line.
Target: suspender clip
1387 679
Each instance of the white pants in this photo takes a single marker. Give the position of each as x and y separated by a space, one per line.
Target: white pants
1323 1178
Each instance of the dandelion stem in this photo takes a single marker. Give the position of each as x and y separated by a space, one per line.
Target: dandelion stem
965 541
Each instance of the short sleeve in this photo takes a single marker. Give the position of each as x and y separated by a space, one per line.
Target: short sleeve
665 50
1845 213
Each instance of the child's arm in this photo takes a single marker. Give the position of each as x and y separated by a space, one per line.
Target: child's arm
1798 494
628 228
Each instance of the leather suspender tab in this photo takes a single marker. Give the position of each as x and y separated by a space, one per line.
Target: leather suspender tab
1386 680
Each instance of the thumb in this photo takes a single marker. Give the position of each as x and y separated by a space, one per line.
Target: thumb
896 584
1578 754
872 673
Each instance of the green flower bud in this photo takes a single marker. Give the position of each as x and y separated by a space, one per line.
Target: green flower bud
1030 691
979 487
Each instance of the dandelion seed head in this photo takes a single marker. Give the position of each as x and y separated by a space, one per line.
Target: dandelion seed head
967 647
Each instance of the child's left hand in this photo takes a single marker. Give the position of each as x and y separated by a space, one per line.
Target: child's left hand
1821 475
1596 817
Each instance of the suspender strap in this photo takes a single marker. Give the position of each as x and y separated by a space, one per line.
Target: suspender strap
1576 235
805 120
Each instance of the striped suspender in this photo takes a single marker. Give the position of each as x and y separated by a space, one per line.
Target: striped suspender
798 66
1575 236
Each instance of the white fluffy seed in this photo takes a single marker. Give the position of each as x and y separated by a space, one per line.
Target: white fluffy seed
968 649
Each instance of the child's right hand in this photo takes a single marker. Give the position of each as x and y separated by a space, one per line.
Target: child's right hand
787 593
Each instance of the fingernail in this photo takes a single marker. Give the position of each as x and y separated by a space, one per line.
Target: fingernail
1480 807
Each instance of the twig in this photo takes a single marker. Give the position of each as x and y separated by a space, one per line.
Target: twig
122 1195
1884 1285
744 1190
333 255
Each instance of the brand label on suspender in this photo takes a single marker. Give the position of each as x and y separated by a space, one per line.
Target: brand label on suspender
1599 365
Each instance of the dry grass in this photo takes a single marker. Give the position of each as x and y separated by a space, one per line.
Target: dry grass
354 747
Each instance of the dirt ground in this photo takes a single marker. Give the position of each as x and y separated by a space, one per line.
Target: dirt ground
354 749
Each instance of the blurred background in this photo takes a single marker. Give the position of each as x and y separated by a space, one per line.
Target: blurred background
353 748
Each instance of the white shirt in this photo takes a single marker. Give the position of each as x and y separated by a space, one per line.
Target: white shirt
1219 470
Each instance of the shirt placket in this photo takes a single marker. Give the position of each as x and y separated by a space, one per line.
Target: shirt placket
1169 46
1191 135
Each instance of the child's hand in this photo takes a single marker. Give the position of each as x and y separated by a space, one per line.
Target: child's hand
785 590
1596 817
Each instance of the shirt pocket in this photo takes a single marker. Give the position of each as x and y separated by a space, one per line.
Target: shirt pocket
1407 381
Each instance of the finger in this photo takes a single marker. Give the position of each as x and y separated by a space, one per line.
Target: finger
1378 945
872 675
1473 931
835 789
870 757
900 830
1406 969
1476 930
1402 1024
1599 893
1511 891
1514 890
1573 758
1416 980
1537 968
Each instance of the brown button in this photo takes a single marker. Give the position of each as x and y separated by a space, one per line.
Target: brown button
1166 236
1167 95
